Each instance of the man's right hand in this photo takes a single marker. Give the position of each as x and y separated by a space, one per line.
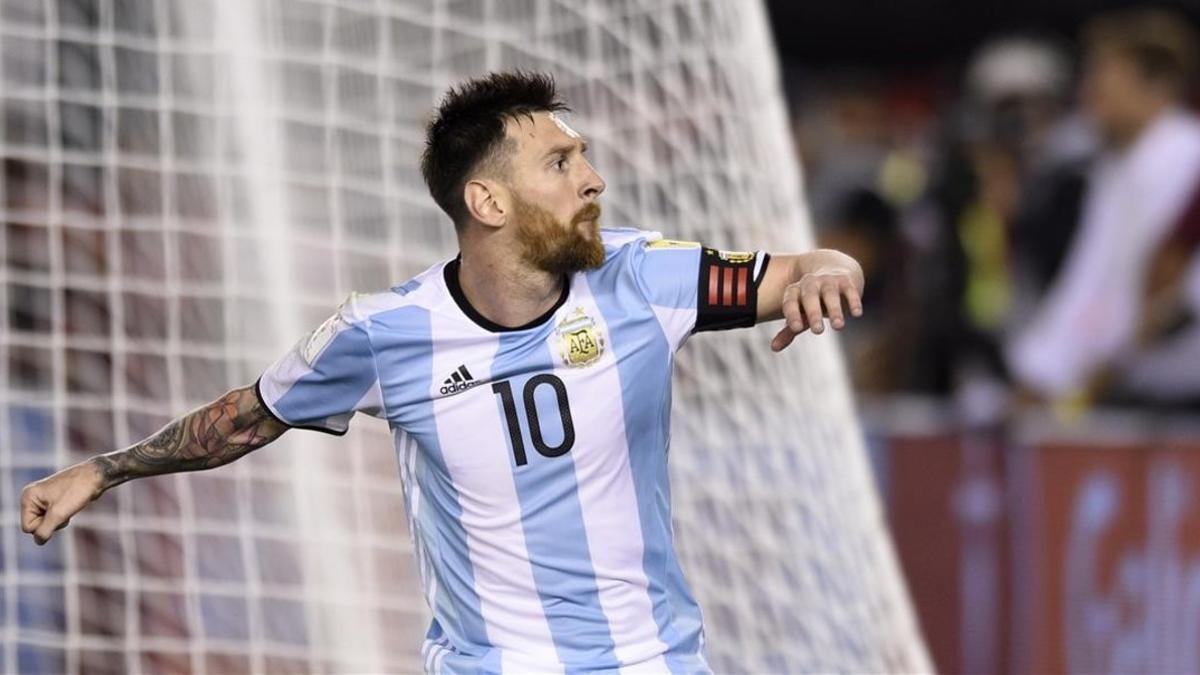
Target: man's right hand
49 504
209 436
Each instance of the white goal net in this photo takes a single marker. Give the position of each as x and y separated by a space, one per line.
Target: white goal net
191 185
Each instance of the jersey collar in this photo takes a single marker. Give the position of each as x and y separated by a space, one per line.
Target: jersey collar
450 272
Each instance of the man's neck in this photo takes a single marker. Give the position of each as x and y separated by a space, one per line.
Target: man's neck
504 289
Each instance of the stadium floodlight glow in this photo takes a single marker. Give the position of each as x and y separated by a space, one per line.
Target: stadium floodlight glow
192 185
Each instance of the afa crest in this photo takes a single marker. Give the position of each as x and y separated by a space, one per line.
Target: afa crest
580 341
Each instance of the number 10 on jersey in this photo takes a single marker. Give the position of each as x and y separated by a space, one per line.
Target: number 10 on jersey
504 390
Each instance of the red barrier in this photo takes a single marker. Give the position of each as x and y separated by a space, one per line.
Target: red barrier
1072 550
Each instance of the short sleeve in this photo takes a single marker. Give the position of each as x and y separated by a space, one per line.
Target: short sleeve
694 288
326 378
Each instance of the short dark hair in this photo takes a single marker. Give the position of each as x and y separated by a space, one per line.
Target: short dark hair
467 130
1158 41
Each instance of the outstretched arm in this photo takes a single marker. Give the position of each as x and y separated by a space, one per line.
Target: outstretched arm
207 437
807 288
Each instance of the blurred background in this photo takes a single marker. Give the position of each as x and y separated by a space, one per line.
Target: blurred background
1021 181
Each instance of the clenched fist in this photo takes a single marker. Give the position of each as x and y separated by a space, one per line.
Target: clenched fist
48 505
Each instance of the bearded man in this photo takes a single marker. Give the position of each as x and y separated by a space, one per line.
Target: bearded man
527 382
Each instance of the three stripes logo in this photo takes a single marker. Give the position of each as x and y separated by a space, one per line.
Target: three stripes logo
728 283
728 288
459 380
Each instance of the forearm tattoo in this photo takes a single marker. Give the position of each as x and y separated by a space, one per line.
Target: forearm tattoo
215 434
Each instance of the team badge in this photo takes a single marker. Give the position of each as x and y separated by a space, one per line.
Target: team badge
580 341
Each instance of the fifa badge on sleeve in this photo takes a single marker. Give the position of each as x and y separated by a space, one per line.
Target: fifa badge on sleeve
580 341
316 341
672 243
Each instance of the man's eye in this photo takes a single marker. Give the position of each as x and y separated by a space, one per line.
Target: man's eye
561 164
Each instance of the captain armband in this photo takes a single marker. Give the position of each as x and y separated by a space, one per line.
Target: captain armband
727 290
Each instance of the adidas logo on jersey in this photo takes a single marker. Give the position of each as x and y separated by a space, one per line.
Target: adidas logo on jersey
459 380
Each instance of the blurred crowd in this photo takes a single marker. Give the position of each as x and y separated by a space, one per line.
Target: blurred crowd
1028 222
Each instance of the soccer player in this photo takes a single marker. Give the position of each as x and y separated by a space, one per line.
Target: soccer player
528 385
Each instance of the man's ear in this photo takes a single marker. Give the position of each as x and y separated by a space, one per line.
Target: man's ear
485 202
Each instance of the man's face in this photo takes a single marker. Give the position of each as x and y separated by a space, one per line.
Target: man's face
557 247
1112 90
554 192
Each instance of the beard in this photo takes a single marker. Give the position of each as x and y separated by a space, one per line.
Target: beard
552 246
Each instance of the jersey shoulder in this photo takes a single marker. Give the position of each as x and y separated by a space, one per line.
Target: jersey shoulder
617 238
623 248
627 243
663 270
620 237
423 290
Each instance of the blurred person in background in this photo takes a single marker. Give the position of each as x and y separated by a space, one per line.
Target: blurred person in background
864 225
1008 133
843 136
1091 335
863 140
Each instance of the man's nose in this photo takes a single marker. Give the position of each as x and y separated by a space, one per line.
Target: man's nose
593 185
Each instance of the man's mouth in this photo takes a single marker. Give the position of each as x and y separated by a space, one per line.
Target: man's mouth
588 214
588 229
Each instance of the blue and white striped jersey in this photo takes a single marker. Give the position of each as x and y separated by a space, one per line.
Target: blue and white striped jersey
533 459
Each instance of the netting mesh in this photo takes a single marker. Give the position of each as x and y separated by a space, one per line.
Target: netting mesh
191 185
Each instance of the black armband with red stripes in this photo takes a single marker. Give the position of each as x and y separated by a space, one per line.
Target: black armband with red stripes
727 292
